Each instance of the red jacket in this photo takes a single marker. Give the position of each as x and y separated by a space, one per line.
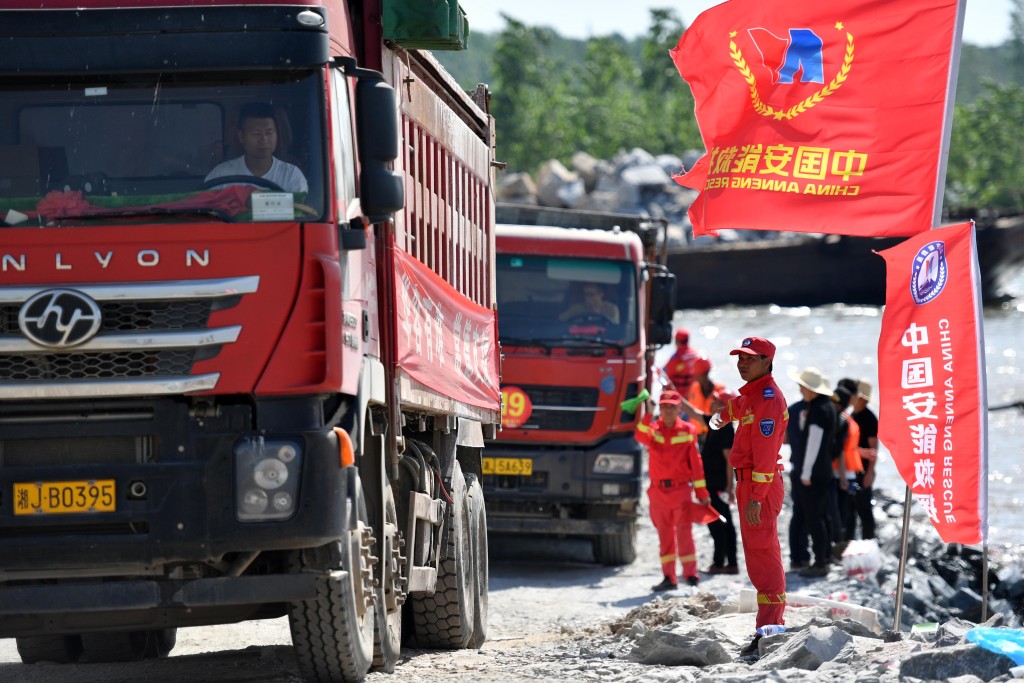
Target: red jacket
762 414
673 453
679 368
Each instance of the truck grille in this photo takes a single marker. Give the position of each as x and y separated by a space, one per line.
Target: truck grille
562 409
149 337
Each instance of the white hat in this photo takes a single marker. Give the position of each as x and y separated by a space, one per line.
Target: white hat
864 389
811 378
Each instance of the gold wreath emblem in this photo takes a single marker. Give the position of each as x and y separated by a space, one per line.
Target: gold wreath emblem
778 114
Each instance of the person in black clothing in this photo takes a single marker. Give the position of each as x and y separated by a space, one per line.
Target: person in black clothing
721 485
863 503
817 442
799 550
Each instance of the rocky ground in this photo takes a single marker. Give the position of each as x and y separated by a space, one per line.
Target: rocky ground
557 616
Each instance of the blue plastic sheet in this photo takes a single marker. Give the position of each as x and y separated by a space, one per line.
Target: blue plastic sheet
1004 641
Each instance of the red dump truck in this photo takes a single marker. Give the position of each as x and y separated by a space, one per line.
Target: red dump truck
582 303
248 358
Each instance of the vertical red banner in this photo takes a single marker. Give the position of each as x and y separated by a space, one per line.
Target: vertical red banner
931 375
445 341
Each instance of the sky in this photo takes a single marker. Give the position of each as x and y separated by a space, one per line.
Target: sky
986 22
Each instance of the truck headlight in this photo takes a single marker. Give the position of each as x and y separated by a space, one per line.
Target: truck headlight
266 478
614 463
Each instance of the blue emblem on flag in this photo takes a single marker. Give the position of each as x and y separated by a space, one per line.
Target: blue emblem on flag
769 392
928 273
767 427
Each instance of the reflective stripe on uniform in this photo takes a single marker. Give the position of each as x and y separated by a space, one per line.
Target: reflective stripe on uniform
643 428
681 438
688 558
668 558
658 438
762 477
747 419
771 598
700 483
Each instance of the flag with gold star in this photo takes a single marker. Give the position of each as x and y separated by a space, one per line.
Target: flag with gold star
828 117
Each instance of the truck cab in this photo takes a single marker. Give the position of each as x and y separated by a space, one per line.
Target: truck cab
577 336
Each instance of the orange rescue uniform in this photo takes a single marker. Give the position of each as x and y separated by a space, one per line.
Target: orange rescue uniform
761 412
676 473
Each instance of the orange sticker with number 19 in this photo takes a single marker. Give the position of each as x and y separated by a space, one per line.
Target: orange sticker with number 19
515 407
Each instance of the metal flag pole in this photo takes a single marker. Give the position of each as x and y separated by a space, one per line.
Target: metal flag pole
984 582
903 562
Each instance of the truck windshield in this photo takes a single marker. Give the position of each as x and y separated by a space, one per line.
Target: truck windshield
556 301
147 148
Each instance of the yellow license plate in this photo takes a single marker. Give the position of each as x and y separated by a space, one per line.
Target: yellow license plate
58 497
522 467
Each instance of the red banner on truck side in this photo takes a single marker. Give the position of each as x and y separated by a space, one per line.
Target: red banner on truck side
820 116
931 375
445 341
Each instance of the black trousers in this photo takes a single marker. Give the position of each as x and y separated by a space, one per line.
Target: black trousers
799 552
723 533
815 500
862 508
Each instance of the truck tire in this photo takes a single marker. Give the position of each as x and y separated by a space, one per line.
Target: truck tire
478 538
391 595
333 633
56 649
445 619
118 646
616 550
160 642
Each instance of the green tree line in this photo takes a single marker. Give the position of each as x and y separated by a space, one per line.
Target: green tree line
552 96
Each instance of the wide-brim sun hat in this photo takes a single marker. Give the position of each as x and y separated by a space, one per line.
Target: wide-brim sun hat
813 379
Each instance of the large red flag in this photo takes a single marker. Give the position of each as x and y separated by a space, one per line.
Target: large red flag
821 116
933 416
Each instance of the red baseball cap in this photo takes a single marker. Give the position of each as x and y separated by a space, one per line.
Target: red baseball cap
671 397
701 366
682 335
755 346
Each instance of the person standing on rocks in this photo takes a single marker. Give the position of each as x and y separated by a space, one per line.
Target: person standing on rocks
677 474
863 504
817 439
762 416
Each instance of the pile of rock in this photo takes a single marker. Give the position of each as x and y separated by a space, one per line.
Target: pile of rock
703 632
634 182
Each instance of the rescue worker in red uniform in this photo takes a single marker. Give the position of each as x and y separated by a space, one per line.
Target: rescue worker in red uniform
677 474
679 367
762 415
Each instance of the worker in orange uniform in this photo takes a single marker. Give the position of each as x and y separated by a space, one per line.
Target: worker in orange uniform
762 415
679 367
677 474
701 393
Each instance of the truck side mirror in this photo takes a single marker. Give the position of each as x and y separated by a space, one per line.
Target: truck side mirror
663 298
659 334
381 190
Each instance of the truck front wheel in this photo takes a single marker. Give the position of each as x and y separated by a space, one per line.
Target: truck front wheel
615 550
333 633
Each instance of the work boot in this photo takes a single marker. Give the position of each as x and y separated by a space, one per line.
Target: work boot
797 565
693 580
730 569
666 584
815 571
751 651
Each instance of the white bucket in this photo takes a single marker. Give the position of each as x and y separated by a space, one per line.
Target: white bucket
839 610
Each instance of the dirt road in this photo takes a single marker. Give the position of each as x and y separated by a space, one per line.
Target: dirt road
549 604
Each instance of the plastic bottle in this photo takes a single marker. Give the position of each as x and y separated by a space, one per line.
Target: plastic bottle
771 630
